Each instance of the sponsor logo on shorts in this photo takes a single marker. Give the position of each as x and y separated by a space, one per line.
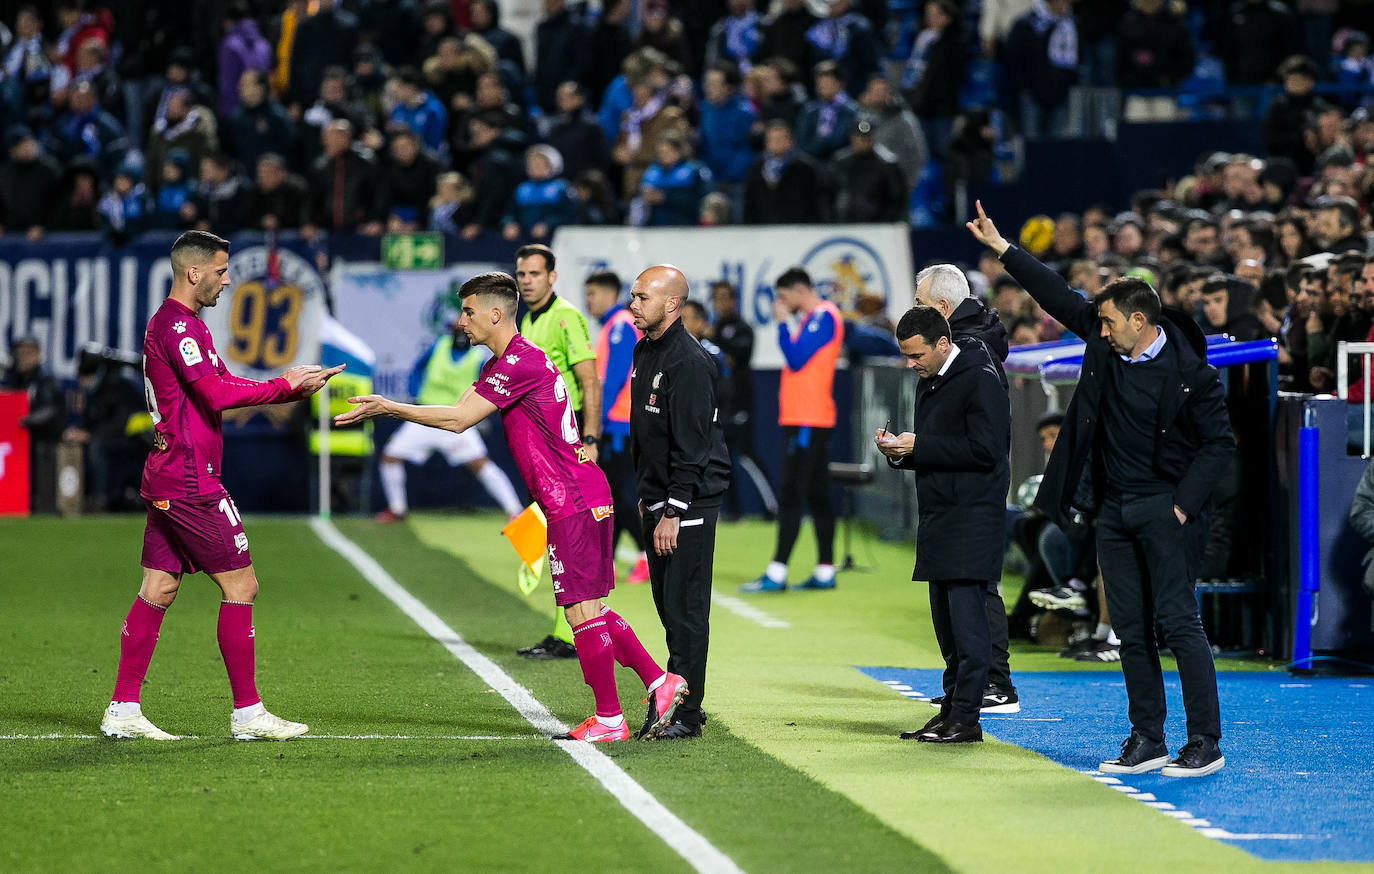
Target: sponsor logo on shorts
241 541
190 351
599 513
555 568
163 505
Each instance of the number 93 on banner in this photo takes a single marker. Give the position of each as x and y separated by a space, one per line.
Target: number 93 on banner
269 320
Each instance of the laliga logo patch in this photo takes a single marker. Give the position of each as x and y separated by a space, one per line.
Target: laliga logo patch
190 352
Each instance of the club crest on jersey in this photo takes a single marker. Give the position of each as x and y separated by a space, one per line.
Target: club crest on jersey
179 327
190 351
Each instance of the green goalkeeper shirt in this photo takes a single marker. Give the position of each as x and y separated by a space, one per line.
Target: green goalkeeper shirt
560 331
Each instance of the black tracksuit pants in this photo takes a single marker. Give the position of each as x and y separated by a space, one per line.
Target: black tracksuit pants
805 483
1148 565
620 476
681 584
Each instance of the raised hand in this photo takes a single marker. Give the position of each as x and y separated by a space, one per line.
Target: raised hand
985 232
368 407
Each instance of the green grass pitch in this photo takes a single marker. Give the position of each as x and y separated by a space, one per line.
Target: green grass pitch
800 768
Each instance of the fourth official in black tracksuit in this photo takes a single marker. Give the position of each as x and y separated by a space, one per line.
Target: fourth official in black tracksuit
682 469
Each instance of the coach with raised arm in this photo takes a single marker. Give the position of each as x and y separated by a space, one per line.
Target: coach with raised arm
682 470
1144 439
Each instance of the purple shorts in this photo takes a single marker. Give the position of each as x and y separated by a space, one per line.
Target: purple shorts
185 535
580 556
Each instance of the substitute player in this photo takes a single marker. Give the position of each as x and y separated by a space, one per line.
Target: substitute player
522 383
193 524
560 332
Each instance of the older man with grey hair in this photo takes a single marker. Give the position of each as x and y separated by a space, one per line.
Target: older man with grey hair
946 288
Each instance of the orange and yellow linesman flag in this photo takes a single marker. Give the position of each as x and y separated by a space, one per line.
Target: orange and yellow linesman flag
527 533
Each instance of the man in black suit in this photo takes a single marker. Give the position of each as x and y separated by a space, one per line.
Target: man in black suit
1143 442
958 450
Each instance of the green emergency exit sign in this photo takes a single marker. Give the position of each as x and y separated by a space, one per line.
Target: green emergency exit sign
413 251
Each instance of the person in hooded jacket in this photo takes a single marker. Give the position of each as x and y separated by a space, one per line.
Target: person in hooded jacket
1145 438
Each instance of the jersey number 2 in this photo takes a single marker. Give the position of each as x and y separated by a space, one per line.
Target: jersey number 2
569 421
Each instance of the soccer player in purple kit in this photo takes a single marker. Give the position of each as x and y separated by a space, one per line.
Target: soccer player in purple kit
193 524
521 383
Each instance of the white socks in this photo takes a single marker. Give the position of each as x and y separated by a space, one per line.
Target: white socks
656 683
1103 629
498 485
121 709
776 571
824 573
1113 639
612 721
393 474
249 713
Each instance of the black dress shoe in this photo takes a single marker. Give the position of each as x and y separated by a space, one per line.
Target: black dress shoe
953 733
933 724
549 648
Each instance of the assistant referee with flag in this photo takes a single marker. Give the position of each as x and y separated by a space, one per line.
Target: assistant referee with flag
682 470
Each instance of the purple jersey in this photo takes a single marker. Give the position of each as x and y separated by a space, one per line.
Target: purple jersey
187 386
542 431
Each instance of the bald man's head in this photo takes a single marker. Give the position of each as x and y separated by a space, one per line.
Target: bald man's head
656 299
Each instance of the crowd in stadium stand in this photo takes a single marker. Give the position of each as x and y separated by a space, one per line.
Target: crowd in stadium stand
387 115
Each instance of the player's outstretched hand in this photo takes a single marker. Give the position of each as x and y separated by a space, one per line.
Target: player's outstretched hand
368 407
985 232
316 380
296 375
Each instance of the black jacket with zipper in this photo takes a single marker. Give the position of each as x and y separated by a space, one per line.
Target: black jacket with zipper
1193 439
676 439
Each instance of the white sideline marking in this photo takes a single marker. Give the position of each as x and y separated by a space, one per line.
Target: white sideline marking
745 610
691 846
58 736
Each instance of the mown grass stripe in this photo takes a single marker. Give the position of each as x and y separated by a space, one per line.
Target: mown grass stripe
687 843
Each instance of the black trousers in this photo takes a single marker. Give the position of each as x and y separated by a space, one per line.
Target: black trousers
619 468
681 584
999 668
1149 562
961 629
805 483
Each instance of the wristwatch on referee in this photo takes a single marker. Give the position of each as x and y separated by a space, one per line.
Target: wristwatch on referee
670 511
588 440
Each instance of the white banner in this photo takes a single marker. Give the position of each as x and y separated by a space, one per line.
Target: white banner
399 313
844 261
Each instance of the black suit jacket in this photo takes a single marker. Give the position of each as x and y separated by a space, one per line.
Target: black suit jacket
963 434
1193 441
